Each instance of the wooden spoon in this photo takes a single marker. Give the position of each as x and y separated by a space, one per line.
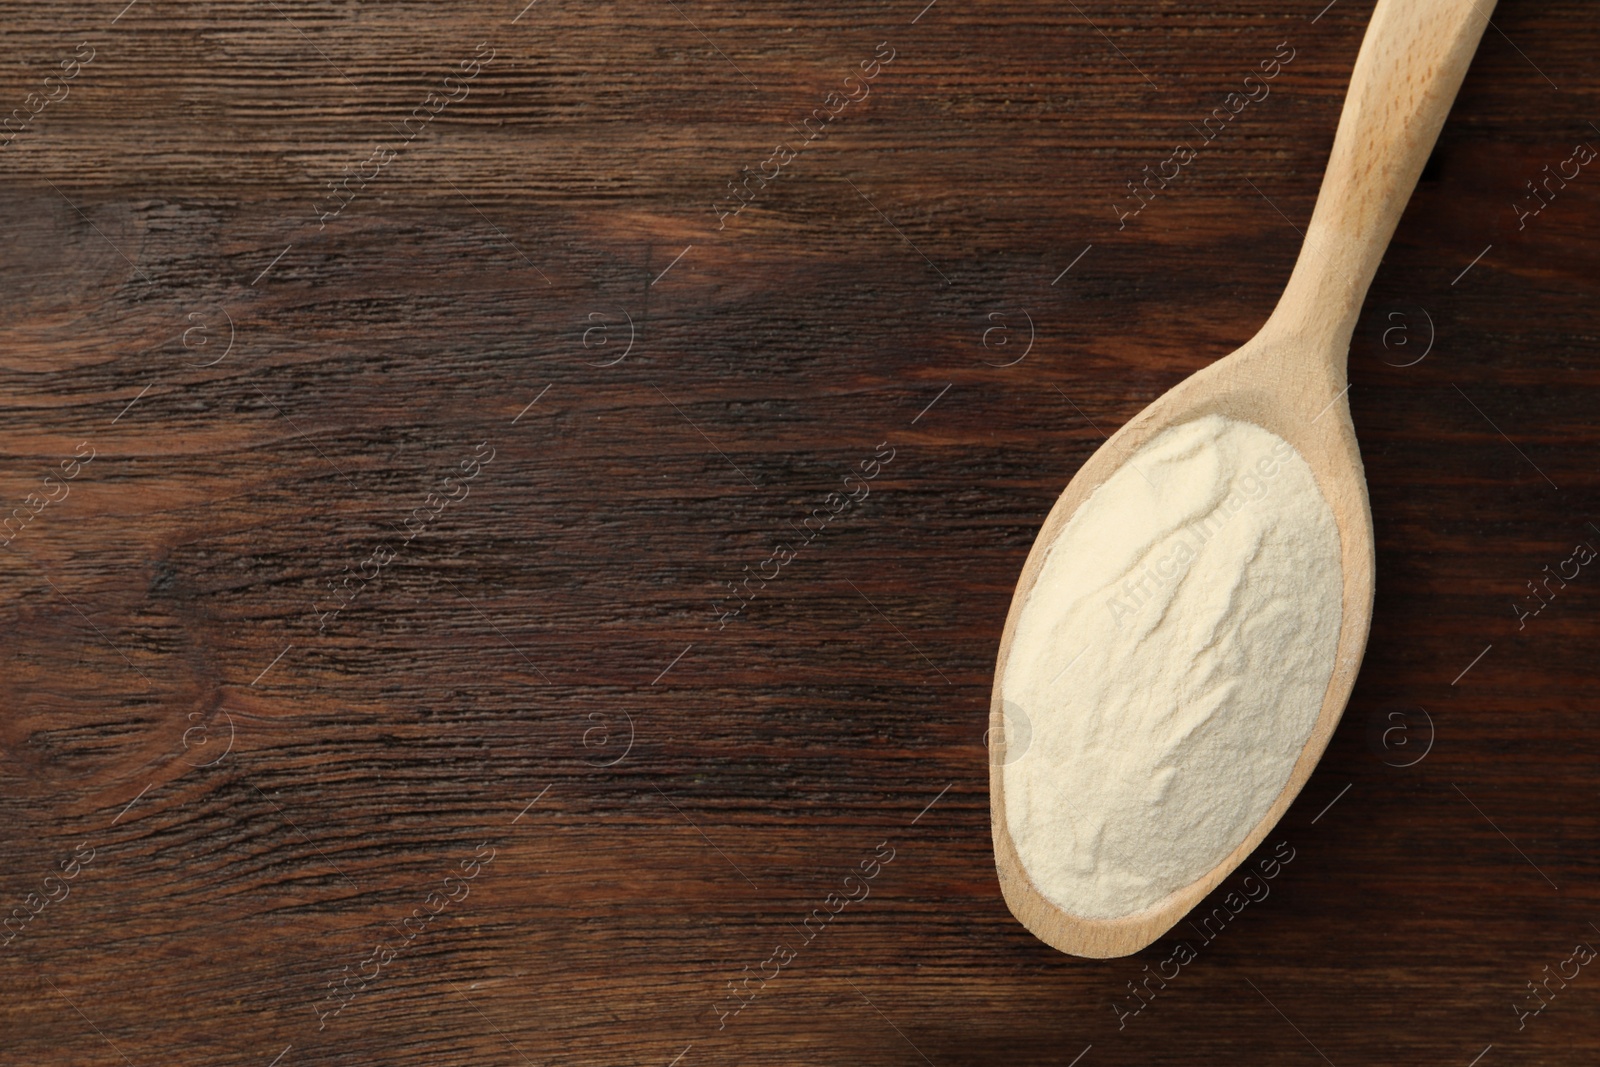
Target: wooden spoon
1289 379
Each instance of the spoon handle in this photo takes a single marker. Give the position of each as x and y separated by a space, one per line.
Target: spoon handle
1412 60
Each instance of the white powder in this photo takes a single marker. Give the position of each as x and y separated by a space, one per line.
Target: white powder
1168 666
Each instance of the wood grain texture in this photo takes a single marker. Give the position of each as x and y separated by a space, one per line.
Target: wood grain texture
861 298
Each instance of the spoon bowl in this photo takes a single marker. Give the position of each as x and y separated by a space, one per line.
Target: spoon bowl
1290 379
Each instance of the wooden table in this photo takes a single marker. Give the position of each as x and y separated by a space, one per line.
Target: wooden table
401 666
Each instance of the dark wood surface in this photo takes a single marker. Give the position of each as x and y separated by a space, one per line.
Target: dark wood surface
252 793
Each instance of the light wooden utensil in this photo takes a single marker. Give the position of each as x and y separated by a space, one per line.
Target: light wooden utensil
1290 379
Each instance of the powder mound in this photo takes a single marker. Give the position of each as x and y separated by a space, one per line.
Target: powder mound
1168 666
